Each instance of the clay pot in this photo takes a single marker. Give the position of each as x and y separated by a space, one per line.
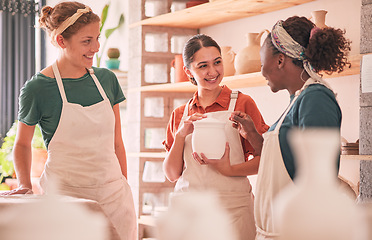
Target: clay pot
113 53
319 18
195 3
228 57
209 138
247 60
177 64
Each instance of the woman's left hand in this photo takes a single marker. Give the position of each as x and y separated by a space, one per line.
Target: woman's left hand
222 165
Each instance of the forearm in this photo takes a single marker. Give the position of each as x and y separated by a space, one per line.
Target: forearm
173 162
121 155
244 169
22 164
256 141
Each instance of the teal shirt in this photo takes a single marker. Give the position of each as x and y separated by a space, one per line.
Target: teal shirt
316 106
40 101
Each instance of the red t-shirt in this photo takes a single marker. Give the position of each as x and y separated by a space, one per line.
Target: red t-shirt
244 103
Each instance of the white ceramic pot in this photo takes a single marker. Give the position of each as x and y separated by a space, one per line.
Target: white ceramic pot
209 138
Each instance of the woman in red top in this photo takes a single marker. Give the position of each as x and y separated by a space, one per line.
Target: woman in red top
228 178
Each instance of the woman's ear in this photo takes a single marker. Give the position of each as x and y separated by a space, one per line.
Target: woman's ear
60 41
187 71
281 60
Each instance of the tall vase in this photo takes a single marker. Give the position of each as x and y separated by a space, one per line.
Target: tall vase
247 60
319 18
228 57
314 207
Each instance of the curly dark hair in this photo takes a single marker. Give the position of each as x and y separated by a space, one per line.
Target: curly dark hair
326 50
194 44
52 18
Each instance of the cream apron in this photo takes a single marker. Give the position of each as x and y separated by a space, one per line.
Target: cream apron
235 192
272 177
83 163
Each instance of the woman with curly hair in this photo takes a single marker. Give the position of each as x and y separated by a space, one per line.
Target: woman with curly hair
292 56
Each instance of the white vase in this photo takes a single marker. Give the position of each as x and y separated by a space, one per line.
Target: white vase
209 138
314 207
319 18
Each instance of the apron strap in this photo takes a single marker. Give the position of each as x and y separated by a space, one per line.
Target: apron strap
266 234
59 82
298 92
186 111
62 89
233 98
98 84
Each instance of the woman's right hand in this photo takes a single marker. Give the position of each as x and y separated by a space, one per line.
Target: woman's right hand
187 127
243 122
19 190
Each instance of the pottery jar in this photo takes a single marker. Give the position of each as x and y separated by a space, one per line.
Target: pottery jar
319 18
209 138
315 207
228 57
247 60
177 64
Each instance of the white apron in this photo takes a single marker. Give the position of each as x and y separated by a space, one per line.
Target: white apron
235 192
82 160
272 177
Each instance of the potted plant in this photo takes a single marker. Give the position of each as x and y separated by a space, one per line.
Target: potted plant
39 154
113 62
108 32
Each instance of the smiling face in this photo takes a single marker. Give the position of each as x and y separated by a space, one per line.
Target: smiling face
80 48
206 68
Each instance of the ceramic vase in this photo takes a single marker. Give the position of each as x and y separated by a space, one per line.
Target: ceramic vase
179 73
247 60
228 57
314 207
209 138
319 18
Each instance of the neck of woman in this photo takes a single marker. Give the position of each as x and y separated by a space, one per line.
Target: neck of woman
299 77
207 96
70 70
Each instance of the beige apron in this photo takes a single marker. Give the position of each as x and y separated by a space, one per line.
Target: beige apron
82 160
272 177
235 192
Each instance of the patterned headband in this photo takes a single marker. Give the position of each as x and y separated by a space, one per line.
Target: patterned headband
287 45
68 22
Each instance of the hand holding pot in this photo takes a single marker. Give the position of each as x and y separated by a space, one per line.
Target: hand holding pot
243 122
221 165
187 126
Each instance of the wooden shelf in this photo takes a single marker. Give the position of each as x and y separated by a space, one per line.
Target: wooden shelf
356 157
242 81
216 12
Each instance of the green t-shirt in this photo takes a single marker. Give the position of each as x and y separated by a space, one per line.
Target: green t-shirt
316 106
40 101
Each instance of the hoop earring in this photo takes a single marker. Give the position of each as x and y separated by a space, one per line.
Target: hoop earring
303 70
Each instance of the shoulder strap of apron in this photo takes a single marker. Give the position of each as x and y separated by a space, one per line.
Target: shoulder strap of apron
59 82
186 111
298 92
98 84
233 98
62 89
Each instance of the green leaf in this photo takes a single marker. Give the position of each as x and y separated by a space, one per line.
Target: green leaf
108 32
104 15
